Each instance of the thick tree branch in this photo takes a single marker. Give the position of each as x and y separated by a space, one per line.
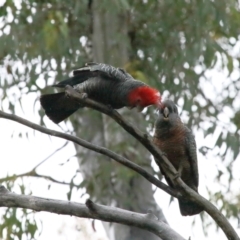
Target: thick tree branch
162 160
90 210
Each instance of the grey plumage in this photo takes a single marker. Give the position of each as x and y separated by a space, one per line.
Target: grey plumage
102 83
178 143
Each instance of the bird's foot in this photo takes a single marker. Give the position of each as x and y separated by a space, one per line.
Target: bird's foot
146 136
110 108
164 154
69 91
177 175
83 95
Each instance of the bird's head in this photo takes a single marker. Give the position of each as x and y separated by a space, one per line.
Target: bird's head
167 114
144 96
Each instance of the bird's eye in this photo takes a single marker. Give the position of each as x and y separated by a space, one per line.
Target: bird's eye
138 101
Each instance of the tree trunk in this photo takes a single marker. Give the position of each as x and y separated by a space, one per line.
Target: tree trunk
106 181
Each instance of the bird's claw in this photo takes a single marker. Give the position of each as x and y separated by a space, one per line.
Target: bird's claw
83 95
146 136
164 154
176 176
110 107
69 90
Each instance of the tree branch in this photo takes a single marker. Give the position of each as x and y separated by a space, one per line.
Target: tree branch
89 210
104 151
161 159
145 139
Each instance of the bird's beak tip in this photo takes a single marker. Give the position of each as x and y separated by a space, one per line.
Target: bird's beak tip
166 112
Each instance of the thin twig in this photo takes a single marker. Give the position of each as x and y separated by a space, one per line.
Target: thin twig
33 173
44 160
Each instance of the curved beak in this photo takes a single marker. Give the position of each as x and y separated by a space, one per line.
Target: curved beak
166 112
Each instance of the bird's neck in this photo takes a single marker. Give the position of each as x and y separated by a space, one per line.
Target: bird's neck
169 130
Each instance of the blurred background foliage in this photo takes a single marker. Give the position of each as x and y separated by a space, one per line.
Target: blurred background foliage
187 49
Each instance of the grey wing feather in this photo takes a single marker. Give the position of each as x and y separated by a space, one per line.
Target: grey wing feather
106 71
192 152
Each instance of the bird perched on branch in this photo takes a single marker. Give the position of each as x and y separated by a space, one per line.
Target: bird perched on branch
102 83
175 140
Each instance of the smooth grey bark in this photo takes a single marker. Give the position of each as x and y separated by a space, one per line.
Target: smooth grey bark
88 210
107 182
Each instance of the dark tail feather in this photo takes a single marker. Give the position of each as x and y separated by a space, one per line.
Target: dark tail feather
58 107
188 208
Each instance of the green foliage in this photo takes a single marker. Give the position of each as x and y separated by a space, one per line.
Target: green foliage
18 223
236 119
173 46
